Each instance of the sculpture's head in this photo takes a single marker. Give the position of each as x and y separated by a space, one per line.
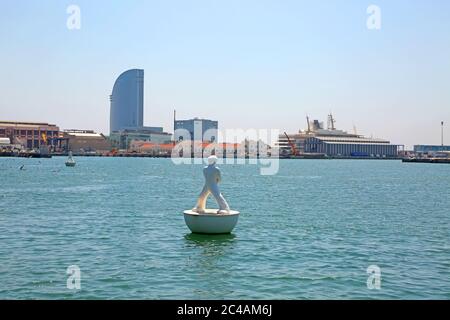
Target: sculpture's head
212 160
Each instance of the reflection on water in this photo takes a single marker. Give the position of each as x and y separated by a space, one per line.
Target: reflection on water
206 239
210 264
211 248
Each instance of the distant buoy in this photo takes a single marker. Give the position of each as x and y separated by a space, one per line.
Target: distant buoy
70 162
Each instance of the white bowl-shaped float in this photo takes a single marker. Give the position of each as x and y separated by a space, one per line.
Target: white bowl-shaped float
210 222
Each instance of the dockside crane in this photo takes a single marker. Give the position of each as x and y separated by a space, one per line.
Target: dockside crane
293 148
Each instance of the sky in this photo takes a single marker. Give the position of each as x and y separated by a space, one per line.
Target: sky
246 63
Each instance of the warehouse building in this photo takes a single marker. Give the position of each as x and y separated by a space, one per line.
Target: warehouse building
351 147
81 141
30 135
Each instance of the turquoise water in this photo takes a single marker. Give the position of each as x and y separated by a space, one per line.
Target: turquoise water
309 232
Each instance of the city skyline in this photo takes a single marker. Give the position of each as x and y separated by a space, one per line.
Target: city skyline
261 64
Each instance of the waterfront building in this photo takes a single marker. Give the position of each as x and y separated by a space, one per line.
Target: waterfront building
199 149
30 135
196 130
151 148
191 147
127 113
81 141
350 147
253 148
127 101
430 148
123 139
334 142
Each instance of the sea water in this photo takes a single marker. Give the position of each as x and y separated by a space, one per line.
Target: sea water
314 230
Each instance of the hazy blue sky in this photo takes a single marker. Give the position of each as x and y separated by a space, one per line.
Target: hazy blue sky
246 63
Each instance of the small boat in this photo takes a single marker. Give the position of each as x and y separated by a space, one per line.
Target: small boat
70 162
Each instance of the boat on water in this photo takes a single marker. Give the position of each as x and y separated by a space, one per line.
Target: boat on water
70 162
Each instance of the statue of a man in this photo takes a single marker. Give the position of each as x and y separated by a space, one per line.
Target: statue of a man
212 178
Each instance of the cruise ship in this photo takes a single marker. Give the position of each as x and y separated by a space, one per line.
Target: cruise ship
317 141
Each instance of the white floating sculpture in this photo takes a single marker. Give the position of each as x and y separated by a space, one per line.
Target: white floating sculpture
211 221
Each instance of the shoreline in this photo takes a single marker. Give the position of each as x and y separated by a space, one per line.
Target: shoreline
145 155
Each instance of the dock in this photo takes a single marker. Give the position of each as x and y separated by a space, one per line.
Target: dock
427 160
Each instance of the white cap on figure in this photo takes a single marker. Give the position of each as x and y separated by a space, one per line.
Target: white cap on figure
212 160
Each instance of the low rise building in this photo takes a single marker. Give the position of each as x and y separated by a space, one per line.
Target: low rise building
86 141
430 148
196 130
151 148
30 135
351 147
123 139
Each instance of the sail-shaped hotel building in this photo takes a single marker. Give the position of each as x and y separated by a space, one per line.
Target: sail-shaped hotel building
127 112
127 101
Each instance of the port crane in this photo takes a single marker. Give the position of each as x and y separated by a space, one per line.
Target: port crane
293 148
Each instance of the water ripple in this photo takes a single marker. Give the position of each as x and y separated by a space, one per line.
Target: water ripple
309 232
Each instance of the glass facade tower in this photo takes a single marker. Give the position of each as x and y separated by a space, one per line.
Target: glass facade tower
127 101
